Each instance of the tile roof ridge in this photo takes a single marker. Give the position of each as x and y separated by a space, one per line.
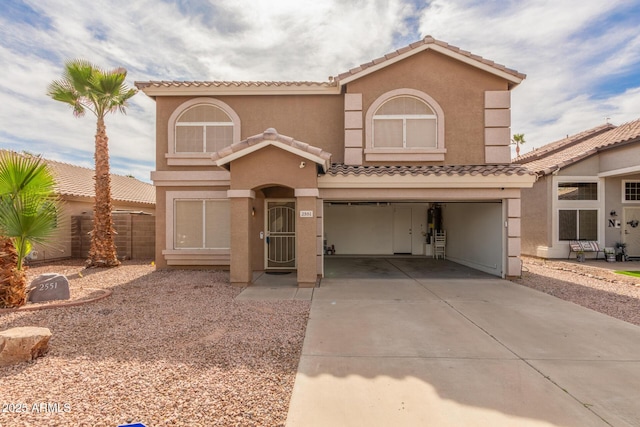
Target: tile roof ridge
427 40
564 143
229 83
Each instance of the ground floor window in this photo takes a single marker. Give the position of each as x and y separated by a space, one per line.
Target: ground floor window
577 224
201 224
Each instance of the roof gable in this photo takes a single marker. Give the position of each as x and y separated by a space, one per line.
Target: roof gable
270 137
429 43
335 84
560 154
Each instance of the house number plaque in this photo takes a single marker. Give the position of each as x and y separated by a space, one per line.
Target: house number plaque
306 214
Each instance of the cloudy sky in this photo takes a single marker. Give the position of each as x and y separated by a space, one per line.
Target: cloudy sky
581 57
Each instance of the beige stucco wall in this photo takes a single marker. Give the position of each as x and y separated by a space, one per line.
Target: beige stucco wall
161 217
619 158
457 87
317 120
536 214
272 172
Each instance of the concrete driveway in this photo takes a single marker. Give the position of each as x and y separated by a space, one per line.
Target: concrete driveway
415 342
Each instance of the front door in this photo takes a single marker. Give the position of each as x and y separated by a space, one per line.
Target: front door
631 228
280 252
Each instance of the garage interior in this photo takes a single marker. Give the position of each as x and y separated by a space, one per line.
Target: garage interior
475 231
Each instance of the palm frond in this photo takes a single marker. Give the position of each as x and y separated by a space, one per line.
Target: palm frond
27 173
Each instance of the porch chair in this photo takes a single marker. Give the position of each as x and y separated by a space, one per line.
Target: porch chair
440 241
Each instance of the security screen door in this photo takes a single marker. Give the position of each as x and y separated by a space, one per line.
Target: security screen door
281 234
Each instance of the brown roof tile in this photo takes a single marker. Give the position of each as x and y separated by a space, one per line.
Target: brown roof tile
559 154
78 181
272 135
237 84
448 170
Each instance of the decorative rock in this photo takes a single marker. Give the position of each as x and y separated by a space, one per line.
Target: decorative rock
23 344
49 287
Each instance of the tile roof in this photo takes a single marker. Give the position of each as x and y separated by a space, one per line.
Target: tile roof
446 170
77 181
563 143
427 41
559 154
333 82
272 135
231 84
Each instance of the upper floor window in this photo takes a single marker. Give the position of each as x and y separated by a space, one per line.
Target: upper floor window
577 191
404 122
203 129
404 125
199 127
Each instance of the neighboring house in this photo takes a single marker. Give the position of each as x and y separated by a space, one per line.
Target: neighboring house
75 186
267 175
588 188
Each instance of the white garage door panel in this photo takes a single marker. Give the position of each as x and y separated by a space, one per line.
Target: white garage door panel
475 235
358 230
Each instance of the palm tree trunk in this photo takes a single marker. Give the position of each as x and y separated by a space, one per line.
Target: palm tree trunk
103 250
13 282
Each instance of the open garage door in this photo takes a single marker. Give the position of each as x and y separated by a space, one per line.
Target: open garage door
475 231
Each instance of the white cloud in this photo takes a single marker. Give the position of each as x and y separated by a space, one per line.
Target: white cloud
560 45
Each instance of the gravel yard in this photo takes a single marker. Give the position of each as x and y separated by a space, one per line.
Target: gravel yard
599 289
175 348
167 348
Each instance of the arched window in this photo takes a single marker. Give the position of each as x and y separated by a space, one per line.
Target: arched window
199 127
203 129
404 125
405 122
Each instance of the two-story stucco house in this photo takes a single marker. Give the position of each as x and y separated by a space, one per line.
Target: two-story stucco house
267 175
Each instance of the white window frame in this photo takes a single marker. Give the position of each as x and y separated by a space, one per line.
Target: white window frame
436 153
171 198
623 191
558 205
197 158
404 118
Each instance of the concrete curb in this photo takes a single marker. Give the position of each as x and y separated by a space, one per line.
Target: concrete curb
105 294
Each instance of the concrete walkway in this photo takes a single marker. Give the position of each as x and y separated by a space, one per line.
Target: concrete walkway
406 342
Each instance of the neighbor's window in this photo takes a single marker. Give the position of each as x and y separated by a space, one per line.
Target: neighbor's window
577 191
632 191
202 224
404 122
203 129
577 224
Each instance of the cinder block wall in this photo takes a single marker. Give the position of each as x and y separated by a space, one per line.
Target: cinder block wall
135 238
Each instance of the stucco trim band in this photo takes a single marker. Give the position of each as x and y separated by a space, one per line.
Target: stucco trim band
307 192
249 194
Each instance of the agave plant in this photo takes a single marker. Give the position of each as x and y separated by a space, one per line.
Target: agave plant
28 215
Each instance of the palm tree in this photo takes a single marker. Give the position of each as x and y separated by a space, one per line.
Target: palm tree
85 86
518 140
28 215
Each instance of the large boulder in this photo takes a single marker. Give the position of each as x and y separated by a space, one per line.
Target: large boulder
49 287
23 344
